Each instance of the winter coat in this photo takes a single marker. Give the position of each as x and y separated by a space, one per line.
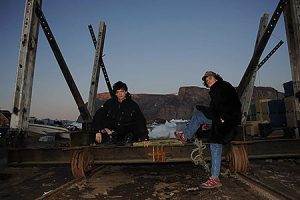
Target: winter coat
226 105
127 113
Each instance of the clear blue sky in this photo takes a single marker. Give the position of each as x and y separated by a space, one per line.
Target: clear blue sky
155 46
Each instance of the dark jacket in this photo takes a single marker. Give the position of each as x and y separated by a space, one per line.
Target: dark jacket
127 114
226 105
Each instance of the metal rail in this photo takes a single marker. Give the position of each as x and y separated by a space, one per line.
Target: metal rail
135 154
270 54
64 68
262 188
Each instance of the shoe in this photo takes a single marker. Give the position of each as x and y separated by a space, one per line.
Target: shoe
128 139
180 136
112 138
205 127
211 183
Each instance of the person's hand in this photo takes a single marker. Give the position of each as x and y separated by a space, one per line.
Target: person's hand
99 137
222 120
108 131
146 143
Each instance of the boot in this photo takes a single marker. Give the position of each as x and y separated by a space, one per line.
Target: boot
128 139
112 138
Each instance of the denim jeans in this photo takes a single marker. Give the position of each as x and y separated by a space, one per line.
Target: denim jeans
195 123
216 158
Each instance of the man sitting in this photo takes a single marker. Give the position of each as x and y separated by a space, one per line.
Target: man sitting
120 119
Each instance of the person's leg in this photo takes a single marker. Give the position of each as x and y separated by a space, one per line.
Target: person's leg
195 123
216 158
121 132
138 131
216 153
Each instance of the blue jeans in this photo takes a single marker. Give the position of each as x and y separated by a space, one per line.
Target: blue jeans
195 123
216 158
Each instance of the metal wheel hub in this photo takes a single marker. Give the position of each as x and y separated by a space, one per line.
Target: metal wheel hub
237 159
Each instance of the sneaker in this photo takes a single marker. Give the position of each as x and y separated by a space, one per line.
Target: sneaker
211 183
180 136
204 127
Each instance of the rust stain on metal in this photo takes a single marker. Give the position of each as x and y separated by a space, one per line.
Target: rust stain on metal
158 154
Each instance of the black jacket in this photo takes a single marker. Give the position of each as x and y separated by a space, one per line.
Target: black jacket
113 113
226 105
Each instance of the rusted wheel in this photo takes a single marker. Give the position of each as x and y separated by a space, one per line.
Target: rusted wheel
231 161
237 159
244 162
86 163
75 164
82 163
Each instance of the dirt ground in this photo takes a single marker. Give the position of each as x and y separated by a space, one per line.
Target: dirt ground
141 181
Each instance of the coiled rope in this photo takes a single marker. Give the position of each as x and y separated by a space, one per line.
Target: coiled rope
197 158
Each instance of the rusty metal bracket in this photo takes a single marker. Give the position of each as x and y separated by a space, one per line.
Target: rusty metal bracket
158 154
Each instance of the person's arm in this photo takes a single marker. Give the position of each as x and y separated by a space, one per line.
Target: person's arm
140 120
229 104
99 135
99 121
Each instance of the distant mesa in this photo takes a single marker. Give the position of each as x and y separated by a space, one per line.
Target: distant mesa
181 105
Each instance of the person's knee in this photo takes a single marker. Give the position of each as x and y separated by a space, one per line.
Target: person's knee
199 115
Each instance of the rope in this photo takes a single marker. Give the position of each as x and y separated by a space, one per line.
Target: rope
198 158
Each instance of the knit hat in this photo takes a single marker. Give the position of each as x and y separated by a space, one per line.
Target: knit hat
208 73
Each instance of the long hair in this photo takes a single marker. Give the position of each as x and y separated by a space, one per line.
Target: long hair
217 77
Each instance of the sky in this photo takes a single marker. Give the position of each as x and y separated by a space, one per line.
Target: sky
154 46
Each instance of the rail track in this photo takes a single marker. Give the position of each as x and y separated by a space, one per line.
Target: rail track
265 190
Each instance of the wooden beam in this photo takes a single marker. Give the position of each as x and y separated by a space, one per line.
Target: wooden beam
96 68
25 73
247 93
291 18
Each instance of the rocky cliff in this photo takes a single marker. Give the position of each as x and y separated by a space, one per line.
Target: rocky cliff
182 105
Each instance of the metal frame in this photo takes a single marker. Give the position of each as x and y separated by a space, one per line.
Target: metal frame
157 152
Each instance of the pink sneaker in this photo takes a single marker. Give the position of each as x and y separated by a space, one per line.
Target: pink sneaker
180 136
211 183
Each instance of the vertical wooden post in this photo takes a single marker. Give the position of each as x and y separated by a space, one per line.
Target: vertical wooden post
292 27
25 73
96 68
247 94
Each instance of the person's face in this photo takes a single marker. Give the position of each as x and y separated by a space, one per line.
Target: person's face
121 94
210 80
